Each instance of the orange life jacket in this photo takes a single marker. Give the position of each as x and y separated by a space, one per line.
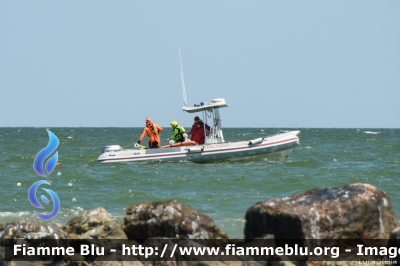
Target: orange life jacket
152 131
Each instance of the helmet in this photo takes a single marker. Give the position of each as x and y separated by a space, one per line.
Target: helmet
148 121
174 123
196 118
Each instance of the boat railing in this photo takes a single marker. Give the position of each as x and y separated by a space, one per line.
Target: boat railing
215 136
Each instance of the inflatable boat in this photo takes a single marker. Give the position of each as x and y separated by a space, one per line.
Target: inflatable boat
214 149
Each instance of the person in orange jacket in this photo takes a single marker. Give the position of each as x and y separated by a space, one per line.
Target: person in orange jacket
197 130
153 131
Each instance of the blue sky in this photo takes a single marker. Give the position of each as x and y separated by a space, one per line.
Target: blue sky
277 63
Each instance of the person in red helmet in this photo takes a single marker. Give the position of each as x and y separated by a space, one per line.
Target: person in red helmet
153 131
198 130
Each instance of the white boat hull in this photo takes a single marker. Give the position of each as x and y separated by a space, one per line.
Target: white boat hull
275 147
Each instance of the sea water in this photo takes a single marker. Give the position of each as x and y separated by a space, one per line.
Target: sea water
326 157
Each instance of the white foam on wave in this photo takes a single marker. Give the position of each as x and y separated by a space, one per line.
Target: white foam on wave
62 218
7 214
7 217
371 132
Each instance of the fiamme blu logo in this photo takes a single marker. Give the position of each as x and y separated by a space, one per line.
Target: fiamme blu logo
44 169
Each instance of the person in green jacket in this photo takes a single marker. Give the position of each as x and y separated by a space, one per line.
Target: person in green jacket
178 132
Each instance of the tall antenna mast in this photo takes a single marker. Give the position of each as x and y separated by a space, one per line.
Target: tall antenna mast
182 80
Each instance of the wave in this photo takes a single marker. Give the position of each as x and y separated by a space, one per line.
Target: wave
371 132
63 216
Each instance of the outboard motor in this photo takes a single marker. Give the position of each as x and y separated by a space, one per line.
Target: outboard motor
111 148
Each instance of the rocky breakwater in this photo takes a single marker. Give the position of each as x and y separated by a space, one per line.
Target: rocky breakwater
145 225
357 211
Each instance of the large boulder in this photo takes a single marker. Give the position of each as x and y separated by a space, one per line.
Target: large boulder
356 211
94 224
169 219
96 227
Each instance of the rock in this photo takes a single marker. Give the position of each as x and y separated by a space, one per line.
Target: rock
394 241
356 211
169 219
30 233
395 235
29 230
95 227
94 224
